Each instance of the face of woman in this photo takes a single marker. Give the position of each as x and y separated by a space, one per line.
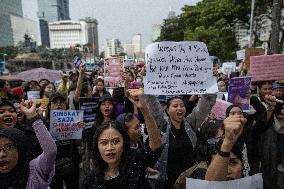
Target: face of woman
235 168
49 88
110 145
8 116
176 110
266 89
20 114
8 155
100 86
106 108
236 111
134 129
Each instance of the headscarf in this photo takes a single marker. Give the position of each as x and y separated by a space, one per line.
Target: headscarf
18 177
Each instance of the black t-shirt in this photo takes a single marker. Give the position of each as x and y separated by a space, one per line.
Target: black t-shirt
180 155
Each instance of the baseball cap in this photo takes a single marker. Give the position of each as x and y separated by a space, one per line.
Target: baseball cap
57 95
105 97
276 86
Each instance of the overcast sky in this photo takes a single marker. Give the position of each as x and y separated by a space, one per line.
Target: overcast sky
119 18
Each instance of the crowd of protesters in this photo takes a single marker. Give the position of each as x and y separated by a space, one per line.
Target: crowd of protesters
137 140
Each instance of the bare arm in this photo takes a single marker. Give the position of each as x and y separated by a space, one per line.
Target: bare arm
79 82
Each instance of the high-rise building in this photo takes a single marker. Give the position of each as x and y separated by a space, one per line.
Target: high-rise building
128 49
68 33
156 31
51 11
241 32
13 25
137 43
171 14
92 30
113 47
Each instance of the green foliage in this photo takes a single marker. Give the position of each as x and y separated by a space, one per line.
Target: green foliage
10 51
212 22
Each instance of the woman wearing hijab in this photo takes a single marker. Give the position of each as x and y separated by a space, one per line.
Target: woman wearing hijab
16 171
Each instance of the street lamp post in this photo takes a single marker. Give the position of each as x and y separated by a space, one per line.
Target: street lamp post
251 22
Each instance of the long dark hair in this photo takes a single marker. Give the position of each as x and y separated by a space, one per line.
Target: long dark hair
100 166
100 117
102 81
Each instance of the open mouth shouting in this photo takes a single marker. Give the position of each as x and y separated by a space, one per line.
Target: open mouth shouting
4 165
8 121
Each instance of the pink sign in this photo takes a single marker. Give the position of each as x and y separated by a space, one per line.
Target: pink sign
219 109
113 69
267 67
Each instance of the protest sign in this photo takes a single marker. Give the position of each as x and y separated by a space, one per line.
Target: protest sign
63 124
228 67
219 109
44 101
176 68
241 54
239 92
33 95
113 70
252 52
251 182
89 106
267 67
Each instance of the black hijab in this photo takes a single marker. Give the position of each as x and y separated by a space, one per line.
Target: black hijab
18 177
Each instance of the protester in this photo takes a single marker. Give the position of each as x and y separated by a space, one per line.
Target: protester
277 90
43 82
16 169
114 166
63 87
47 90
100 89
5 91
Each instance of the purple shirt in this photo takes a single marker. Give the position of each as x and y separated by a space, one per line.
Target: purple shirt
42 168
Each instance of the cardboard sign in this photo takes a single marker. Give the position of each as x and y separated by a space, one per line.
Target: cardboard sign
33 95
90 107
113 70
251 182
239 92
63 124
176 68
252 52
268 67
219 109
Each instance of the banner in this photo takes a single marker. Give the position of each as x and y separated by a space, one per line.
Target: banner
239 92
176 68
63 124
228 67
268 67
219 109
33 95
251 182
113 70
89 106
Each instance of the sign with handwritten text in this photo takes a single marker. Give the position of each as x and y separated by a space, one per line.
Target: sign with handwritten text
228 67
219 109
175 68
113 69
239 92
250 182
267 67
64 124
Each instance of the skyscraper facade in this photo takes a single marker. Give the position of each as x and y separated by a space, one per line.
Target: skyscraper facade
137 43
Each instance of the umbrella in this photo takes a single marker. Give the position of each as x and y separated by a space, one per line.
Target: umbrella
40 73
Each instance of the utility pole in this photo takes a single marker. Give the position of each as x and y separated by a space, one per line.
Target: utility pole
276 18
251 22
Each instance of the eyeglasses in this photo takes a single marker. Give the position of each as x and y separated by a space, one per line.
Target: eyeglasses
8 148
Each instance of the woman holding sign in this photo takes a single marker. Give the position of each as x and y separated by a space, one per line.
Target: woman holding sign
115 166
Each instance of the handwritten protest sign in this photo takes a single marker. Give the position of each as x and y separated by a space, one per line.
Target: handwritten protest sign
228 67
63 124
33 95
239 92
251 182
175 68
89 106
219 109
269 67
241 54
113 69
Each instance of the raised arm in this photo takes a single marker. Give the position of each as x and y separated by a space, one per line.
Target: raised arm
136 96
45 162
202 110
79 82
218 169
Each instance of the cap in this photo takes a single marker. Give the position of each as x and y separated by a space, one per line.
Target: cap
7 102
105 97
276 86
56 95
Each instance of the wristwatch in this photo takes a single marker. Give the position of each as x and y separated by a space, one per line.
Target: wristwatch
224 154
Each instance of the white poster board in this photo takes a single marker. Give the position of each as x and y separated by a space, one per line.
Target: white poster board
33 95
176 68
228 67
251 182
63 124
241 54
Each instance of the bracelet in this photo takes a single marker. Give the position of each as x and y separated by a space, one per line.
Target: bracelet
224 154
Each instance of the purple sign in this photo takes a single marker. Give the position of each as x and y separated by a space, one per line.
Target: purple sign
239 92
